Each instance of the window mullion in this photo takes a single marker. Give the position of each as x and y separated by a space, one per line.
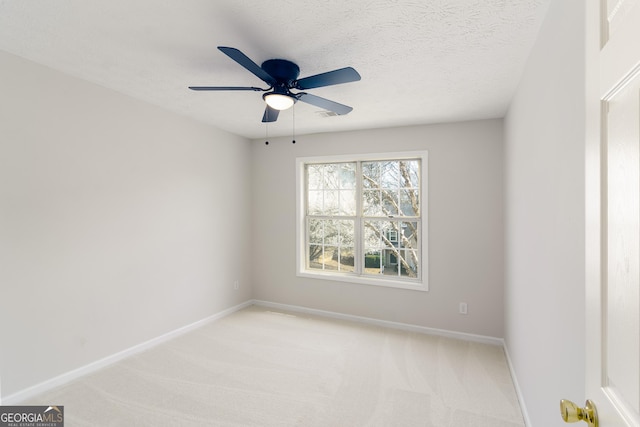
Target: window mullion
307 238
358 232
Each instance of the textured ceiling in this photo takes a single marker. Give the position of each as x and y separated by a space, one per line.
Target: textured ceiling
421 61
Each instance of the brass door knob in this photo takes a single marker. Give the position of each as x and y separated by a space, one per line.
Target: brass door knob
572 413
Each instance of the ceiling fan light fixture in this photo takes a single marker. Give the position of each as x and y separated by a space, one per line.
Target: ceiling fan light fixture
279 101
282 76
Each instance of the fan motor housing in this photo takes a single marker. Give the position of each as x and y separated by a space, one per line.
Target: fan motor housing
282 70
282 76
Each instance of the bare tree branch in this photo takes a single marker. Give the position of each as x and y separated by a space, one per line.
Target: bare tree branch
390 204
390 246
413 197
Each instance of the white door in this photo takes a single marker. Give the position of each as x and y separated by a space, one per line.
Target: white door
613 211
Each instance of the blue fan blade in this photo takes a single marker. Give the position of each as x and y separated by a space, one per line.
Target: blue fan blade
226 88
247 63
335 77
270 115
324 103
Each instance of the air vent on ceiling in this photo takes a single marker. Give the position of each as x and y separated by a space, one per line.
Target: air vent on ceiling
326 113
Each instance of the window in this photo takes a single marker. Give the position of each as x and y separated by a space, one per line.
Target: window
362 219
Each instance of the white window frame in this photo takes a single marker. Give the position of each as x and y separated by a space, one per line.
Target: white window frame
420 284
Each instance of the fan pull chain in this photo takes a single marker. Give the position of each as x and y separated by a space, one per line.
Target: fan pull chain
266 133
294 123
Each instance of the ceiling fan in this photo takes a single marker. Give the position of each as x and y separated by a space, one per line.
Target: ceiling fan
282 76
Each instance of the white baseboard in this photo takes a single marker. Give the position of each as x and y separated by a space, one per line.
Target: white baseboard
523 407
67 377
384 323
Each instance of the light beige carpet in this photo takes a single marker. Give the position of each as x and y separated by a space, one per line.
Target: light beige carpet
259 367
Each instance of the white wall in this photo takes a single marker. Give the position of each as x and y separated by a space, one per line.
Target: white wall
544 200
119 222
465 227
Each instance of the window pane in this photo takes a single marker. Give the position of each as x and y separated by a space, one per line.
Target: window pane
370 175
389 202
331 200
314 177
401 265
371 204
331 232
338 175
348 176
348 202
389 175
386 228
330 257
315 257
409 204
377 234
371 235
410 173
347 237
331 177
314 202
372 263
390 260
384 174
409 234
411 258
315 231
345 260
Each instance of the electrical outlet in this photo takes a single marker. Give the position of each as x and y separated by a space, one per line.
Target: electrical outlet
463 308
236 285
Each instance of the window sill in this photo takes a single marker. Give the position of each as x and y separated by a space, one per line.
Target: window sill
365 280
